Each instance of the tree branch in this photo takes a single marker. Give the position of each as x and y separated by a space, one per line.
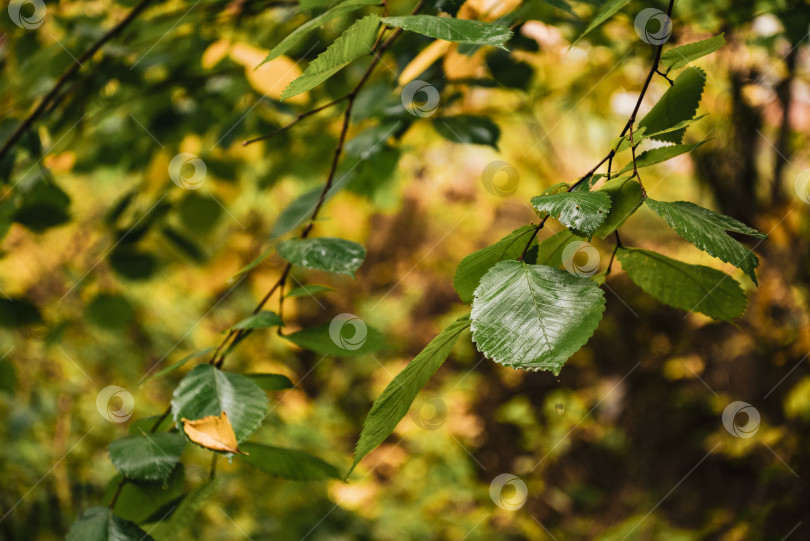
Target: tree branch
74 67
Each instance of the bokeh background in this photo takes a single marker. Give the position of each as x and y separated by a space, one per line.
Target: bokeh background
111 270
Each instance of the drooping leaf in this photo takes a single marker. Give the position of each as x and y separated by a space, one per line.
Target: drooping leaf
534 317
355 42
561 4
583 211
679 103
213 432
288 463
174 366
625 196
296 36
150 457
308 291
271 382
207 391
450 29
395 401
468 129
608 10
707 230
140 499
324 253
679 57
658 155
100 524
550 251
347 338
172 521
262 320
473 267
680 285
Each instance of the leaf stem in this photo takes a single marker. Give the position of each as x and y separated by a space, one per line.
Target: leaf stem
298 119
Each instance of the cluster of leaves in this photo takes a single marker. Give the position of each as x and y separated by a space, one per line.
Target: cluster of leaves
527 311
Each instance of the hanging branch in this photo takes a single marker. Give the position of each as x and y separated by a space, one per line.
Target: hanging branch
627 127
70 72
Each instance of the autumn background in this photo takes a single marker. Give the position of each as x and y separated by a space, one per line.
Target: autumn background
118 272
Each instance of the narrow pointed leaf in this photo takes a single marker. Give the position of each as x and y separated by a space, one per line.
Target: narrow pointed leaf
658 155
288 463
150 457
352 44
694 288
351 338
262 320
326 254
583 211
297 35
473 267
395 401
534 317
679 57
207 391
308 291
450 29
271 382
174 366
679 103
707 230
608 10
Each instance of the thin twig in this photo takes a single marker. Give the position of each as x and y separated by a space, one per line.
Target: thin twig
615 249
298 119
74 67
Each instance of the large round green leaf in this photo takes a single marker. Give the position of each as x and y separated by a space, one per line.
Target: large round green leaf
534 317
209 391
150 457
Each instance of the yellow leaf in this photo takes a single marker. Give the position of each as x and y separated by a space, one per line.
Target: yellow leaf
424 60
212 432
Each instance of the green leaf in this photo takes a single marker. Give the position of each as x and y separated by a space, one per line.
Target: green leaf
679 57
349 337
288 463
149 457
141 499
209 391
623 143
561 4
109 311
625 196
550 251
271 382
296 36
308 291
469 130
473 267
583 211
457 30
608 10
99 524
395 401
18 312
352 44
688 287
658 155
8 377
174 366
262 320
180 513
534 317
325 253
679 103
707 230
300 209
